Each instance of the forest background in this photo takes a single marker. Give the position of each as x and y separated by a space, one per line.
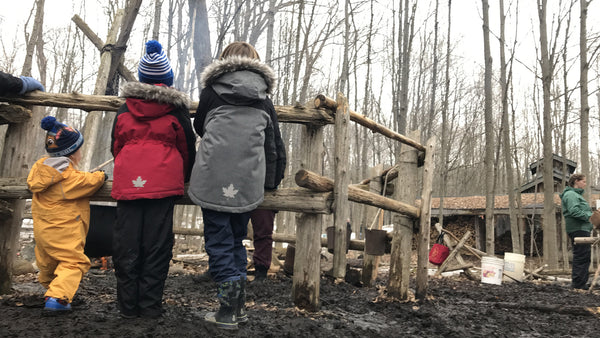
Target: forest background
496 99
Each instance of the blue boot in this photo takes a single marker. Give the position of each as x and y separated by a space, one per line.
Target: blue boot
56 305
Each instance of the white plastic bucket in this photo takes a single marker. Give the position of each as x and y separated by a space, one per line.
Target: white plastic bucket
514 264
491 270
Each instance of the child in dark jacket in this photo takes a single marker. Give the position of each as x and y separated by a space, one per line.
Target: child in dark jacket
18 85
60 209
154 148
237 159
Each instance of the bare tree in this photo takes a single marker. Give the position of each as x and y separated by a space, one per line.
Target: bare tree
444 141
489 135
201 45
583 91
434 76
157 12
510 181
550 247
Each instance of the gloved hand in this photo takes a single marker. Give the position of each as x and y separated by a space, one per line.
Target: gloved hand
30 84
105 175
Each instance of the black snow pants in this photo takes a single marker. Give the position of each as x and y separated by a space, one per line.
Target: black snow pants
581 260
142 249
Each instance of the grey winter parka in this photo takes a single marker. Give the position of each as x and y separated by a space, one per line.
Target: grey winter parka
241 151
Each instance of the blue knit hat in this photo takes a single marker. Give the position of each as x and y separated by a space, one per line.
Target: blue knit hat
61 140
154 67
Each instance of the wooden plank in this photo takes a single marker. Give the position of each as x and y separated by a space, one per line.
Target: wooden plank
450 244
425 221
453 253
340 188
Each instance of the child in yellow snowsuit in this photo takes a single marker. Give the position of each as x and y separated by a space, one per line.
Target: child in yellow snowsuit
61 213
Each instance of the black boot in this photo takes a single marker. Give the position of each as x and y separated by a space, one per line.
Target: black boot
242 318
260 273
225 318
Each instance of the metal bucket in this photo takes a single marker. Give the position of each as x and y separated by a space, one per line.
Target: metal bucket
375 242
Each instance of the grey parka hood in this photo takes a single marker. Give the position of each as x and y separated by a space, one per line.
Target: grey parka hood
239 79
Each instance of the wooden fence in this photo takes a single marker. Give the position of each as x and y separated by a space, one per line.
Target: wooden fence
315 197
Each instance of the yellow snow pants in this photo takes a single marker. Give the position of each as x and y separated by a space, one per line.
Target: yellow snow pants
60 258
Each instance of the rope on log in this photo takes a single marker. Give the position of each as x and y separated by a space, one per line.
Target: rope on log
308 179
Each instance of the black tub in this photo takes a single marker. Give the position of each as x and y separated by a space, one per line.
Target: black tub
99 238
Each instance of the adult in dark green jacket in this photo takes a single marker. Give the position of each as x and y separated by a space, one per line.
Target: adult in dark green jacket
577 213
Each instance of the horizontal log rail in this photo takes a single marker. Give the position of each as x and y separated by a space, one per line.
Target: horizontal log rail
310 180
322 101
284 199
288 114
355 244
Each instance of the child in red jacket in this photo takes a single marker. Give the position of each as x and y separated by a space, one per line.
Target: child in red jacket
154 148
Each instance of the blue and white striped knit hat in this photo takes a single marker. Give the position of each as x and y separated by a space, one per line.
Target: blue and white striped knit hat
154 67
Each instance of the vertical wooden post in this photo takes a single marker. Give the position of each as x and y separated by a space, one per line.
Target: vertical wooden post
306 287
370 262
10 227
403 225
91 129
340 188
425 220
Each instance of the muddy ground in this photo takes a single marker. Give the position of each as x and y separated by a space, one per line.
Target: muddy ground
455 307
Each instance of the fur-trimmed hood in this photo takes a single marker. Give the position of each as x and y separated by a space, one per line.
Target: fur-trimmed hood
157 93
217 69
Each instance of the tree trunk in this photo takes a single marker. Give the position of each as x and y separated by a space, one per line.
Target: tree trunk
510 180
445 142
201 44
583 91
489 135
156 25
549 226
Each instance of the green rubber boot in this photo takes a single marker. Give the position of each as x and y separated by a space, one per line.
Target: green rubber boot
226 317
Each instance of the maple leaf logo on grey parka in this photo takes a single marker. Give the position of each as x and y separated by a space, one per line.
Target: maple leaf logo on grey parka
230 191
138 182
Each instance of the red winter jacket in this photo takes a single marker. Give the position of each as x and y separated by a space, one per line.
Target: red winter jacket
152 142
